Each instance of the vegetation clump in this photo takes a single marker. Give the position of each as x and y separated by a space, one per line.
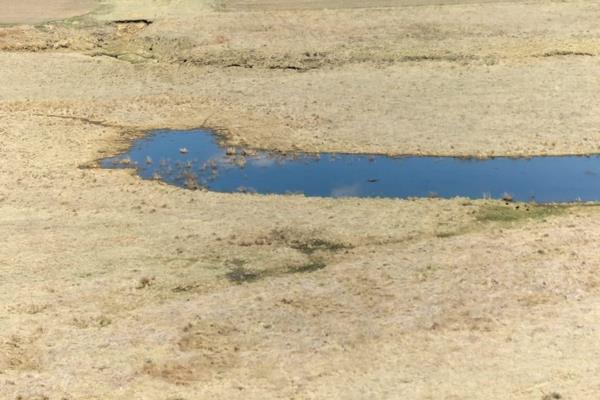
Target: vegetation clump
517 212
312 245
311 266
241 275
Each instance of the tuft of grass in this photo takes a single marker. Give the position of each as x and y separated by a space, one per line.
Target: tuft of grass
241 275
185 288
446 234
304 242
552 396
460 230
311 266
516 212
310 246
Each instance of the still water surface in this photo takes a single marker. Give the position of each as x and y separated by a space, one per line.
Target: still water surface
189 158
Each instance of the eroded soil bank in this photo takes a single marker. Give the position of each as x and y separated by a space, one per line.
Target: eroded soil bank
117 288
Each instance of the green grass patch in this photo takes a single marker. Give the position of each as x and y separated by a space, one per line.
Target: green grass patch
517 212
312 245
311 266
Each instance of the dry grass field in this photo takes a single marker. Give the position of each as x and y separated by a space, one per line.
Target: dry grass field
112 287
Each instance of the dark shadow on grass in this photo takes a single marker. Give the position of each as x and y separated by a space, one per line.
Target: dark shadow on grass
241 275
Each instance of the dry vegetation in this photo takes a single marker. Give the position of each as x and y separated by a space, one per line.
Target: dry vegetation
116 288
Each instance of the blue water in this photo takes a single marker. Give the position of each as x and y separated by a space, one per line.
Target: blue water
184 157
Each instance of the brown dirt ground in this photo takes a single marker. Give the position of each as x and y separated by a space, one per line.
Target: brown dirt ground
116 288
35 11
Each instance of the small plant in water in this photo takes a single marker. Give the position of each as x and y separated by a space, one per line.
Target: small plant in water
190 181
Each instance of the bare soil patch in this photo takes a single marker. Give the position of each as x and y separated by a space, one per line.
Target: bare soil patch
35 11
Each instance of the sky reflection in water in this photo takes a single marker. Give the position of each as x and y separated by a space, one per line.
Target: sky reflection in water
543 179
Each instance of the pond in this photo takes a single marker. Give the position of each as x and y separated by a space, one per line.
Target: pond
195 159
